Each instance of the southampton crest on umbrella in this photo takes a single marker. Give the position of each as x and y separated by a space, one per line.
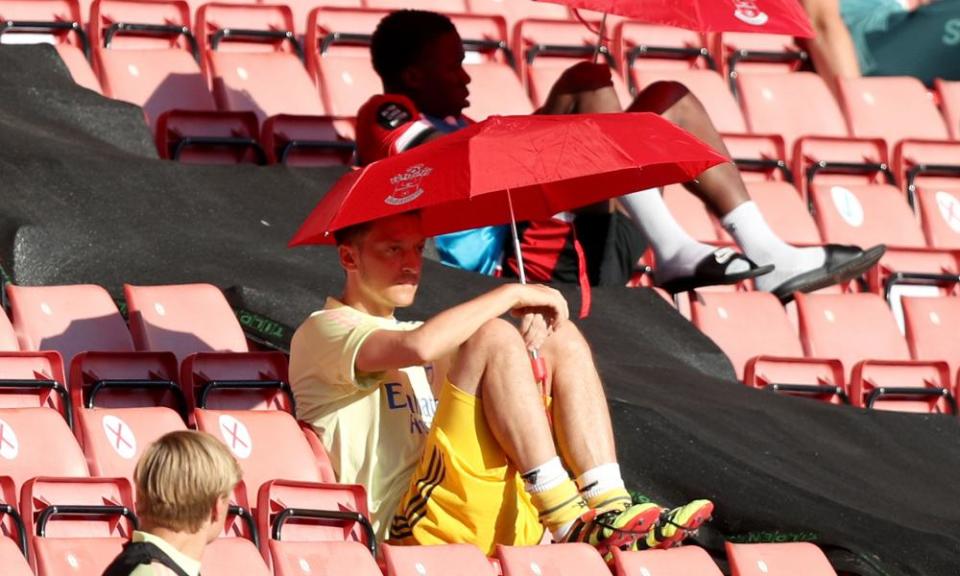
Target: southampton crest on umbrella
407 186
748 12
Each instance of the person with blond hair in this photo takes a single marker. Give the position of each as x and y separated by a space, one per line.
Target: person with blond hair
183 483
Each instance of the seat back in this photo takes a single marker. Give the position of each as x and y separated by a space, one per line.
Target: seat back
573 559
950 101
865 215
8 338
442 6
514 11
75 556
688 560
745 53
778 560
781 104
157 72
824 160
449 560
114 439
37 442
851 327
20 370
111 499
293 513
68 319
745 325
708 87
930 325
231 556
12 559
890 108
229 381
183 319
301 558
650 47
940 215
12 532
269 445
251 72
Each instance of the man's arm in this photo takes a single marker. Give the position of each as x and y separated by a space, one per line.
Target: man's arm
832 50
445 332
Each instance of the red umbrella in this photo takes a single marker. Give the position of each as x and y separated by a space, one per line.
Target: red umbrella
758 16
528 166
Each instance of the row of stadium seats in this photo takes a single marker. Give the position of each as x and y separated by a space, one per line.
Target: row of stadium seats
238 70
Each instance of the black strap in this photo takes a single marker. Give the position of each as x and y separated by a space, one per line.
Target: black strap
137 554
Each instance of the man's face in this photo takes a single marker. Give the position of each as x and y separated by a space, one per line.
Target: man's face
387 260
438 82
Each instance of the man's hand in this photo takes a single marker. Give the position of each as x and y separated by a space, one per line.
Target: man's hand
583 77
534 330
541 300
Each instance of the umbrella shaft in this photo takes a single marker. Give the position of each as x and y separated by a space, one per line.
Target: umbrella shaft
516 240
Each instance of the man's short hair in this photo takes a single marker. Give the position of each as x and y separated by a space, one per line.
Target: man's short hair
180 478
400 39
351 234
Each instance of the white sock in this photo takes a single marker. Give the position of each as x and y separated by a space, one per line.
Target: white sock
762 245
676 251
545 476
596 481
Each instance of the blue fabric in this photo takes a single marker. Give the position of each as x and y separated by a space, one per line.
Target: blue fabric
478 250
864 17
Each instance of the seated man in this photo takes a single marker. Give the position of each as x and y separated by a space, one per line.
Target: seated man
443 422
183 483
419 57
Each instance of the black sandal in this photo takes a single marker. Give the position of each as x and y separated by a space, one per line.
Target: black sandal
712 271
842 263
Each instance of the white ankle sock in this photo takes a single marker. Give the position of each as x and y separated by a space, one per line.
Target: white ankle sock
545 476
761 244
596 481
676 251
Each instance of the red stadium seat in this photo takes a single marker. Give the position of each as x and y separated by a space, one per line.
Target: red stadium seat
687 560
650 47
575 559
114 439
231 556
8 338
950 101
742 53
442 6
300 558
84 325
778 560
37 442
268 445
293 517
861 331
708 87
78 525
753 330
545 48
449 560
931 325
514 11
691 214
940 215
12 560
58 22
929 171
781 104
13 535
197 324
840 161
890 108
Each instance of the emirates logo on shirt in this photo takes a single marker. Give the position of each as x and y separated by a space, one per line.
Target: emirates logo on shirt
749 13
408 186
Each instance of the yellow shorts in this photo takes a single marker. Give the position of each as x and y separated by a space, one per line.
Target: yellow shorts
464 489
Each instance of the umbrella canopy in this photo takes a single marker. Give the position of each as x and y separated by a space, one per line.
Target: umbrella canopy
537 165
757 16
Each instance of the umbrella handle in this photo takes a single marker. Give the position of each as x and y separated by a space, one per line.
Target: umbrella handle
536 360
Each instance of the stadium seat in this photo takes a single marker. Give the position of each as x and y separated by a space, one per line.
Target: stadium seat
777 560
442 6
114 439
686 560
707 86
12 560
940 215
232 556
574 559
691 213
197 324
446 560
152 60
269 445
950 101
84 325
545 48
840 161
8 337
514 11
741 53
495 88
890 108
13 535
57 22
781 104
930 328
650 47
860 330
293 517
82 517
338 56
934 167
753 330
37 442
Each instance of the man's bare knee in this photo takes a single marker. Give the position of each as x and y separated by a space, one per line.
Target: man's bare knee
662 97
566 342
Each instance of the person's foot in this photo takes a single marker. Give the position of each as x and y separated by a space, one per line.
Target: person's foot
616 528
841 263
673 526
720 266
